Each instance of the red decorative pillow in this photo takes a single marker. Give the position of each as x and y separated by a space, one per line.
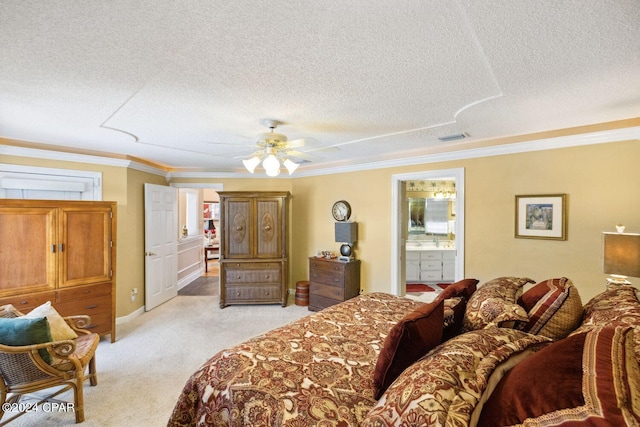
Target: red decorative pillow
554 308
463 288
590 378
410 339
456 296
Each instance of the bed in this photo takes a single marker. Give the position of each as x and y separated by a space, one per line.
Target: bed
383 360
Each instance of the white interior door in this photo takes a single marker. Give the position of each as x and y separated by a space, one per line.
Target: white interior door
160 244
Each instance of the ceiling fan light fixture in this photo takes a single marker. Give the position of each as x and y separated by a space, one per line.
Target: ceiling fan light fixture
271 165
251 163
291 166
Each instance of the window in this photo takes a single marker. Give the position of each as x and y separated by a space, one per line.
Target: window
27 182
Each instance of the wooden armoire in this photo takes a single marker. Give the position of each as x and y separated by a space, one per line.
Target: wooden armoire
253 247
63 252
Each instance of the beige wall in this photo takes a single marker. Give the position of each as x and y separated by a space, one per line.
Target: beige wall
601 182
126 187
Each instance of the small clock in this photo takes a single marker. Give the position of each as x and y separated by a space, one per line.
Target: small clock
341 210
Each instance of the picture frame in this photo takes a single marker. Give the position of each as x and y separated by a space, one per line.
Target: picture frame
541 216
211 210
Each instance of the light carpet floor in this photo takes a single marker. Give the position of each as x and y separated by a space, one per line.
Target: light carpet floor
141 375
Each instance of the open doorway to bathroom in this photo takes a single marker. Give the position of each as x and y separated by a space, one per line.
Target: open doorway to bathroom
428 231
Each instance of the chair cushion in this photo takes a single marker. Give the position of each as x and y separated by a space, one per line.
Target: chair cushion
86 346
60 330
21 331
410 338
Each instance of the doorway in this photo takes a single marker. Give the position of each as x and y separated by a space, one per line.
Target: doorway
400 218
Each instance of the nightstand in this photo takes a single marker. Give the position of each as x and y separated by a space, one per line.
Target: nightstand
332 281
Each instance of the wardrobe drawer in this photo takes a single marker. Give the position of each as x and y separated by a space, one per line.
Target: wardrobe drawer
28 302
81 292
100 323
264 293
253 275
85 306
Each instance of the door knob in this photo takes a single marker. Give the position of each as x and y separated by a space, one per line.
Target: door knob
149 253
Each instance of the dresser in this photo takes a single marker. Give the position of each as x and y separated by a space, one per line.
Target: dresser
63 252
253 248
332 281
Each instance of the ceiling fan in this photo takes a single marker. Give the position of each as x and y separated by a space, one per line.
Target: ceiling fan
273 148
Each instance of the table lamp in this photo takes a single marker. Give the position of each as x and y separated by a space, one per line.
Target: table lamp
347 234
621 256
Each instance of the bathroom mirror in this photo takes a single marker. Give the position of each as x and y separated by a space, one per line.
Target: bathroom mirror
416 215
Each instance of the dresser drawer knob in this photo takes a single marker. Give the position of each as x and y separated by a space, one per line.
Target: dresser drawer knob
267 227
267 293
239 227
335 279
238 294
266 276
24 302
92 306
238 277
337 293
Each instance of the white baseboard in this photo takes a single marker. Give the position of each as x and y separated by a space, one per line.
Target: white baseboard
130 317
190 278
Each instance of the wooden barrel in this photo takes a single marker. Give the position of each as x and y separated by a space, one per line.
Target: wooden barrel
302 293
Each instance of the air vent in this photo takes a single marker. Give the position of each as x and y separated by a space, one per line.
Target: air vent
453 137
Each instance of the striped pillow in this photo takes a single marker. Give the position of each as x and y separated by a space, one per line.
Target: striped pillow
554 308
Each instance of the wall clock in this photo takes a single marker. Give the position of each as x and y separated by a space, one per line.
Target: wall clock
341 210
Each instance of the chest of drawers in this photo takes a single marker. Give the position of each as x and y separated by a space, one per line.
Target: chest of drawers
332 281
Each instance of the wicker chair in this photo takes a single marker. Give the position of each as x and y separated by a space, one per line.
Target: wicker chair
23 371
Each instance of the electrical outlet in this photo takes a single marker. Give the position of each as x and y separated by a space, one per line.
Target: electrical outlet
134 293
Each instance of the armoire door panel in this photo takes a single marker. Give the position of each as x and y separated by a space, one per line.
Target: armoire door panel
238 237
268 228
28 250
85 246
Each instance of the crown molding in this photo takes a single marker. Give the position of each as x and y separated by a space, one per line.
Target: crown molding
37 153
601 137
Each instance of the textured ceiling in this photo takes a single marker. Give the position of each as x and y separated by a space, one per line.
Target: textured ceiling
185 84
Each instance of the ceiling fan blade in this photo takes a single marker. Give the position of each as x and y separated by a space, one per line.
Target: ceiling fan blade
303 142
248 156
299 155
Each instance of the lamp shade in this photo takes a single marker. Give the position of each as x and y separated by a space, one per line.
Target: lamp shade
346 232
251 163
622 254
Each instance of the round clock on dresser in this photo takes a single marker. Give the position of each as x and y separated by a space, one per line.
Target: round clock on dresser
341 210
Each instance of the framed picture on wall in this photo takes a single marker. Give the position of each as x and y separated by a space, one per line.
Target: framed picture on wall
541 217
211 210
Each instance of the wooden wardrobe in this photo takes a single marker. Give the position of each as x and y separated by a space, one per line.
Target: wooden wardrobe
63 252
253 248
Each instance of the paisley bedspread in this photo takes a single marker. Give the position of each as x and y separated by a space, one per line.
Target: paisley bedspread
316 371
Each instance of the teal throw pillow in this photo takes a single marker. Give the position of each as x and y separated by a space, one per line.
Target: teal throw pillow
25 331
